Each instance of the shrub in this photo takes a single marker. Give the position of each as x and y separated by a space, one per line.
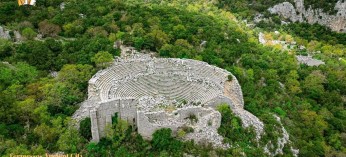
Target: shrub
25 24
187 129
210 123
28 33
102 59
49 29
85 128
163 140
181 133
230 77
193 118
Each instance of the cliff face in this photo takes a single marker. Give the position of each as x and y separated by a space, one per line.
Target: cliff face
299 13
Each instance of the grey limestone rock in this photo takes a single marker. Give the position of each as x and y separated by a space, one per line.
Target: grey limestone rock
308 60
18 36
298 13
281 142
4 34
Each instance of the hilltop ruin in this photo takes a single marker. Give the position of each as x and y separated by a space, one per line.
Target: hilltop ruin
152 93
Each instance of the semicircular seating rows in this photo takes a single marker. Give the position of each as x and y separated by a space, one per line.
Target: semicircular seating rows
180 79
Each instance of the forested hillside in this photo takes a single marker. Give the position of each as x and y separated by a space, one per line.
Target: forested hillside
44 75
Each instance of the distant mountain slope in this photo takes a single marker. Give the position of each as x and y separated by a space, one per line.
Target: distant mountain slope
331 13
298 12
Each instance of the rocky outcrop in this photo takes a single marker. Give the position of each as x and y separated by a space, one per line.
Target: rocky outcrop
18 37
298 13
281 142
308 60
4 34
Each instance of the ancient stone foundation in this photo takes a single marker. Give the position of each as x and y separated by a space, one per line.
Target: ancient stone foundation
152 93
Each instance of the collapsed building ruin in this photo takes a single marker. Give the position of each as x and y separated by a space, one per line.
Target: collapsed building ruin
308 60
152 93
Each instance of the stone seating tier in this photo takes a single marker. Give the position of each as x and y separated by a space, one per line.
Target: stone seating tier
173 78
176 89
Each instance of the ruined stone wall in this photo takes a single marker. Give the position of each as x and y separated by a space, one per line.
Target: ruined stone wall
220 100
128 110
101 116
104 114
147 128
84 111
94 126
205 126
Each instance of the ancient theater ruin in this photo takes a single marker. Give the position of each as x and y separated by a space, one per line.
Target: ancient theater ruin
153 93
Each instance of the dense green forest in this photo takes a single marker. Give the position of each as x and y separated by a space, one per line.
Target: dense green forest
36 106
